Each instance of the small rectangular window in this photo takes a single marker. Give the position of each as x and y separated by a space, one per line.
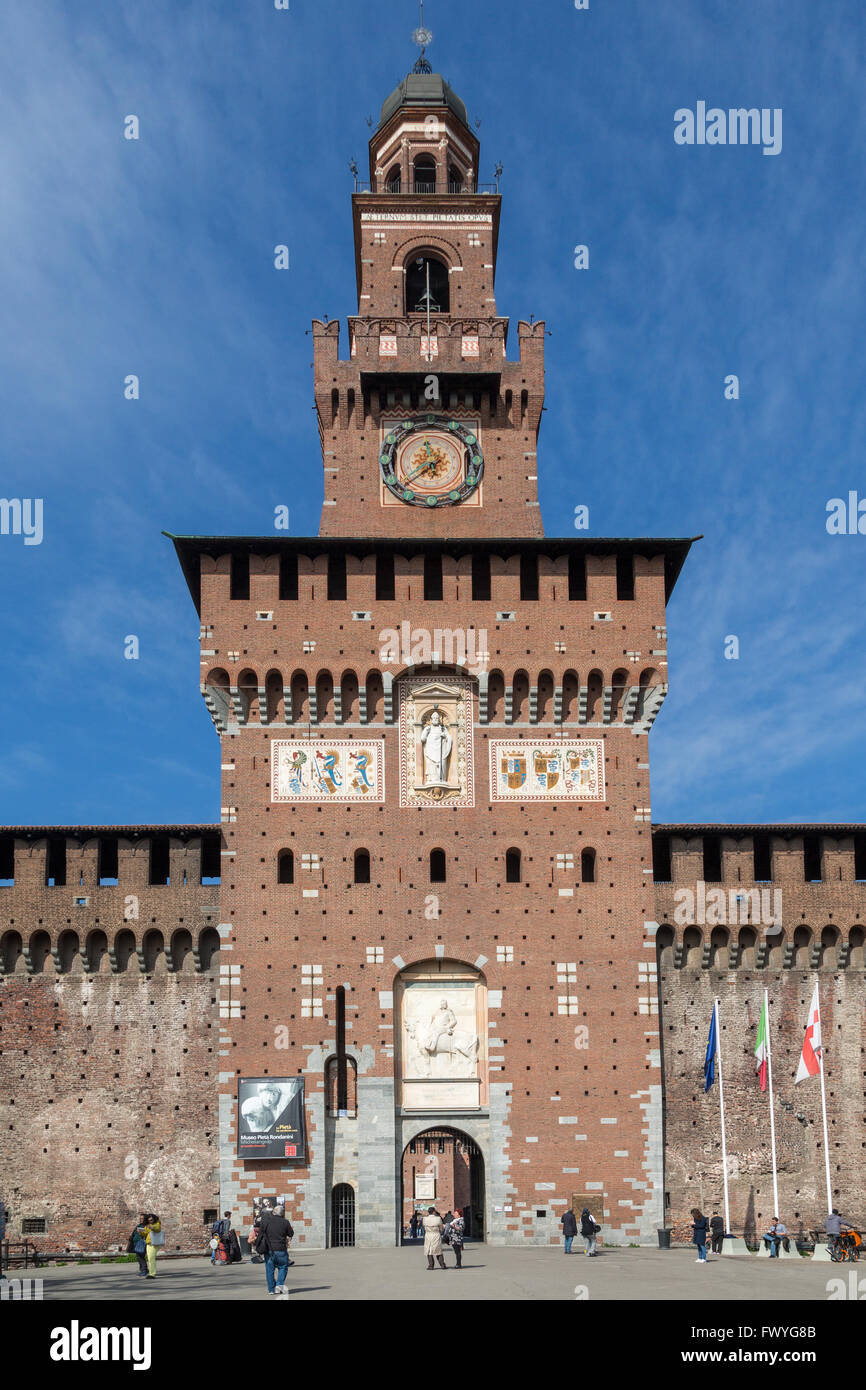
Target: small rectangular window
712 859
337 576
812 858
576 576
55 862
433 577
762 859
662 858
7 861
288 575
210 1216
529 578
158 875
859 857
240 580
211 864
385 578
625 577
107 865
33 1226
481 578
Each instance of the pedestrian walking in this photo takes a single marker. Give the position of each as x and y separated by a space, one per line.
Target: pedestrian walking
151 1232
700 1231
568 1222
589 1229
433 1238
717 1226
456 1232
274 1234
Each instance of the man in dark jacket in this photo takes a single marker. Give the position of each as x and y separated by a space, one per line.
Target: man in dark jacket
275 1233
568 1222
717 1227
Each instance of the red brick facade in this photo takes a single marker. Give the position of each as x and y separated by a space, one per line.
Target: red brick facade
580 1065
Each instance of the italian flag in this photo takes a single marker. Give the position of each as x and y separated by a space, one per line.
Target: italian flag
761 1047
810 1059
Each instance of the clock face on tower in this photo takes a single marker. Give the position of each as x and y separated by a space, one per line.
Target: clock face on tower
431 462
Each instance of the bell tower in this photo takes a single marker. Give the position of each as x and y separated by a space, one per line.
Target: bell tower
427 428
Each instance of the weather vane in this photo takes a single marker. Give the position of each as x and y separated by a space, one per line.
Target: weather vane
422 37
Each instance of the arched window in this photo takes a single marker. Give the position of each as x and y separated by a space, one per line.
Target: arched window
437 866
69 952
95 952
362 866
209 949
40 949
248 694
587 866
512 866
285 866
456 179
11 952
425 174
394 179
123 949
802 943
664 948
153 949
692 948
421 272
274 697
181 951
348 1109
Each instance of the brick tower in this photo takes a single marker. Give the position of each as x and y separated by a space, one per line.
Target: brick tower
438 968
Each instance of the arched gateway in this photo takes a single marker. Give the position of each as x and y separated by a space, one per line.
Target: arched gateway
444 1168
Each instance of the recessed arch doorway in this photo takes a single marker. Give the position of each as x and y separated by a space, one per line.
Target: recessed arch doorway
443 1167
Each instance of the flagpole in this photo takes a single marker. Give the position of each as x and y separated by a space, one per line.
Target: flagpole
824 1110
722 1108
772 1116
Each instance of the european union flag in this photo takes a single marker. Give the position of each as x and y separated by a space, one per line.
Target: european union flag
710 1059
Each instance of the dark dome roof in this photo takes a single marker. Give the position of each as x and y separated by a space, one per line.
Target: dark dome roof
423 89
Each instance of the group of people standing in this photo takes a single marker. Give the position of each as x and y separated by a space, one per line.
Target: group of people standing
144 1242
439 1231
225 1248
589 1229
269 1238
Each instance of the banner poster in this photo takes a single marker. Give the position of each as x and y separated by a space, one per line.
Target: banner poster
271 1117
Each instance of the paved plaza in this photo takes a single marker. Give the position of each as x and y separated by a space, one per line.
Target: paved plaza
489 1273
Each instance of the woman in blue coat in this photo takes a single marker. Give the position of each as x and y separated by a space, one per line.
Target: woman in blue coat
700 1232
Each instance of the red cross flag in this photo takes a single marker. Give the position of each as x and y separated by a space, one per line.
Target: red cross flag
810 1061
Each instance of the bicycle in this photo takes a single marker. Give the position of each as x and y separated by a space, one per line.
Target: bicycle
845 1246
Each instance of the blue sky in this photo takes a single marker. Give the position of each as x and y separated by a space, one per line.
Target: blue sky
156 257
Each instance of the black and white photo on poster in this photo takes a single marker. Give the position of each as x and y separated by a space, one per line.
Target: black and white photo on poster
271 1117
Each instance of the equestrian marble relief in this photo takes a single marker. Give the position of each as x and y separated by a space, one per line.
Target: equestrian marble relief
441 1042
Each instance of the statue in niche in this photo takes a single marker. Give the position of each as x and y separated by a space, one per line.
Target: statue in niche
437 743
